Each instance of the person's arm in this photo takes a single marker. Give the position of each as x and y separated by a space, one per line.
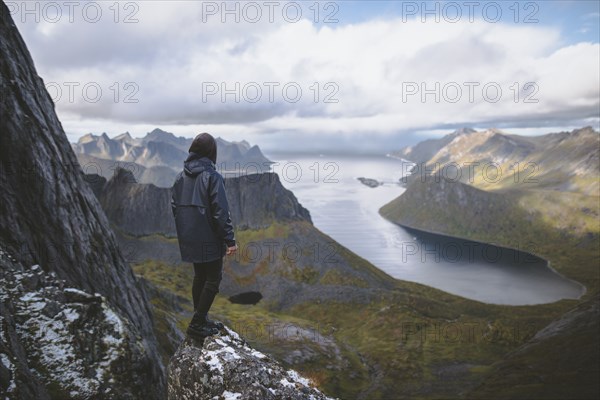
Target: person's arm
173 202
220 210
174 191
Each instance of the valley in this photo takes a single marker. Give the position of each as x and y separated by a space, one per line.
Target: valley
353 329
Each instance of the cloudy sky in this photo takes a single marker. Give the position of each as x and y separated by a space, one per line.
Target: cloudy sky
356 75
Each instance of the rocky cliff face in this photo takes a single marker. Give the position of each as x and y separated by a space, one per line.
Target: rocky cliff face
50 217
144 209
259 199
226 367
137 209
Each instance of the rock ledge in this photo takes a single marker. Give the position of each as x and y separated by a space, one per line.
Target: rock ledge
225 367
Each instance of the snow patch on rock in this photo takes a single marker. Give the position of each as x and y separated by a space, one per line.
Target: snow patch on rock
225 366
74 341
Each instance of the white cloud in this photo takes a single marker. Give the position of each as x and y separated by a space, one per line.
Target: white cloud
171 54
592 15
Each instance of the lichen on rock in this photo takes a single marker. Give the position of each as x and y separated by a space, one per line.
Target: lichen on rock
77 346
226 367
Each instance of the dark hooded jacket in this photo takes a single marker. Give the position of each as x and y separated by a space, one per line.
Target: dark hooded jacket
201 211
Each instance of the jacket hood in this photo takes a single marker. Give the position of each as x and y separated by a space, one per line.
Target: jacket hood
195 164
205 146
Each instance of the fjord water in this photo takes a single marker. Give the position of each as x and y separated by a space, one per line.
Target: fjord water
347 210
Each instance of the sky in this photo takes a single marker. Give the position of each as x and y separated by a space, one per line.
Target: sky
353 76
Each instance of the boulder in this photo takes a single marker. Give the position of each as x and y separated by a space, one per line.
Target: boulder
226 367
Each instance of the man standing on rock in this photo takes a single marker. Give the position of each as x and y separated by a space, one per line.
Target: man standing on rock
204 228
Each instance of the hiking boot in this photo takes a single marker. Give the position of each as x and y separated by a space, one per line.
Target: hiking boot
199 328
214 324
201 332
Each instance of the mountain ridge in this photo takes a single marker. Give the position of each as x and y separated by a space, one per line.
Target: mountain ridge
144 209
564 161
159 148
424 150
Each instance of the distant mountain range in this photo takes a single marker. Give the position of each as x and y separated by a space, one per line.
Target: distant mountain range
426 149
564 161
551 179
158 157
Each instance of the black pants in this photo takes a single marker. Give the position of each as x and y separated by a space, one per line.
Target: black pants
207 277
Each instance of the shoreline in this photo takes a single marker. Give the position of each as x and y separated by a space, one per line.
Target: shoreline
583 288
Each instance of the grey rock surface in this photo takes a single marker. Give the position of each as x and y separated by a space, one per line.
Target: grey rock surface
257 200
60 342
224 366
49 216
137 209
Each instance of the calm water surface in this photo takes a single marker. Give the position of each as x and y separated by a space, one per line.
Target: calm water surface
347 210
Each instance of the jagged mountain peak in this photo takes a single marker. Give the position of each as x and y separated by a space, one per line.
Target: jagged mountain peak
143 209
464 131
124 137
158 133
245 144
587 130
564 161
254 150
122 176
162 149
88 137
495 131
425 150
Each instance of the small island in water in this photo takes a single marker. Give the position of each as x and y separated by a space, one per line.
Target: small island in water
372 183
